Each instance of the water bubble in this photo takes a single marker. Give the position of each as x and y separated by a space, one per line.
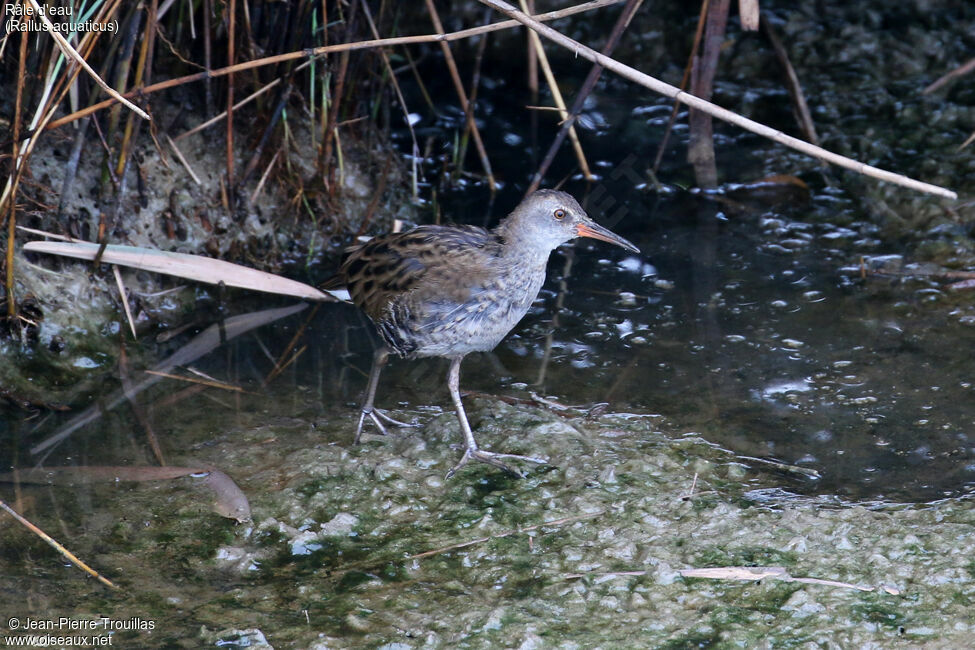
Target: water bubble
512 139
627 299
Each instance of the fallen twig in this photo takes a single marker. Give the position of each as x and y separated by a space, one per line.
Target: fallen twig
58 547
212 383
584 91
746 574
125 299
179 156
803 116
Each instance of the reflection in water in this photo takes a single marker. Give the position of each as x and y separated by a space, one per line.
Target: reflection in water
733 327
202 344
773 350
747 319
750 332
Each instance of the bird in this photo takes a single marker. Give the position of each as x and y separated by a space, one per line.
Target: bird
449 290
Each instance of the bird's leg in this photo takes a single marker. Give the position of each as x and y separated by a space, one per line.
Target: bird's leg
379 359
472 452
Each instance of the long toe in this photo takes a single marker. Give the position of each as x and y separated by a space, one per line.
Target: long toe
396 423
377 417
492 458
362 420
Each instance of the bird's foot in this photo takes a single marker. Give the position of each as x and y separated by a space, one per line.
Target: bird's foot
377 416
492 458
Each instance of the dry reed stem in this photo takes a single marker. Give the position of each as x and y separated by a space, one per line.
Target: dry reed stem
402 103
326 79
231 20
71 557
532 63
125 299
267 172
294 357
419 80
695 46
803 115
475 84
667 90
72 53
327 49
13 181
585 90
254 95
119 57
182 160
462 96
967 142
700 141
211 383
143 71
44 114
748 12
258 151
330 134
960 71
50 235
553 86
281 363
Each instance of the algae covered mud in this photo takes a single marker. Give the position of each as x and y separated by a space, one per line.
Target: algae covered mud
781 382
369 546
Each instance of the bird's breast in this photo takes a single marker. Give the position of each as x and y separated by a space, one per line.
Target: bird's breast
455 321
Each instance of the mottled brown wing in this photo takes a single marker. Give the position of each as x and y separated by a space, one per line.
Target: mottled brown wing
428 263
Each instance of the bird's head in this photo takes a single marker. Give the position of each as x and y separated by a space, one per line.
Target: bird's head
549 218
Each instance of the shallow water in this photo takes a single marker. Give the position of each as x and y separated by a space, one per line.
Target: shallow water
758 332
753 326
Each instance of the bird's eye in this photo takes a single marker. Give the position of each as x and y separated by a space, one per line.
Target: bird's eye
559 214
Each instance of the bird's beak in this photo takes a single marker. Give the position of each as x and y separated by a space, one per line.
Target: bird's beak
592 229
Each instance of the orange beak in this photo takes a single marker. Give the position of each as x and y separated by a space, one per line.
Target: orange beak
594 230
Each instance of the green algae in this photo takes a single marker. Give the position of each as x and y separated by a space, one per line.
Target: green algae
339 556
